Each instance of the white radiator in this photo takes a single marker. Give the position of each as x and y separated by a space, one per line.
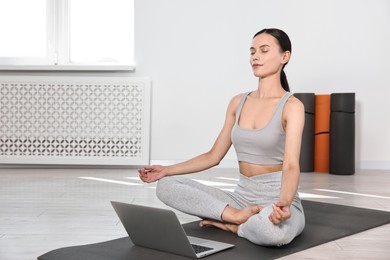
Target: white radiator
75 121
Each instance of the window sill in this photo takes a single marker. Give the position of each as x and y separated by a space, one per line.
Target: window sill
102 67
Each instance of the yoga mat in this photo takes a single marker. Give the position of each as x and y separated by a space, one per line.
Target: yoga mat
321 133
342 134
306 160
324 223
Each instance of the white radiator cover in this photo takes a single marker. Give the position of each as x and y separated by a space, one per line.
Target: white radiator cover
75 121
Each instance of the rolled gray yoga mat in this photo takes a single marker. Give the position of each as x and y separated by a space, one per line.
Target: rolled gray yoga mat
342 134
306 160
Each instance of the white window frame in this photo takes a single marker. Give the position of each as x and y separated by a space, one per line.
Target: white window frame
57 50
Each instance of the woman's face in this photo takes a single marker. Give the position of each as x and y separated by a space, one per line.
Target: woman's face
266 56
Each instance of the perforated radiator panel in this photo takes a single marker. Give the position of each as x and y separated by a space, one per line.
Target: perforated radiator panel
74 120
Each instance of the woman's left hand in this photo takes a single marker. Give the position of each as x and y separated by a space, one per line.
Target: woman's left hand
281 212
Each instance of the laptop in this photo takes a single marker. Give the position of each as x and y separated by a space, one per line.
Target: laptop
160 229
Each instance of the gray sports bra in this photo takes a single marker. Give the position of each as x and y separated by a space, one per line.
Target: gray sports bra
263 145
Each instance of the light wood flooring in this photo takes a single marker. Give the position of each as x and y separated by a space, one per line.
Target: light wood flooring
46 209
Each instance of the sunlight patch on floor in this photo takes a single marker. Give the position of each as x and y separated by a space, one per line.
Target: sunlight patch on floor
215 183
110 181
354 193
304 195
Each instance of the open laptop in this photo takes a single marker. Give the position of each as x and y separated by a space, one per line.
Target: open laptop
160 229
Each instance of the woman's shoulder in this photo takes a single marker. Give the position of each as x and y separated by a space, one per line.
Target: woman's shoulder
293 101
293 104
235 101
238 97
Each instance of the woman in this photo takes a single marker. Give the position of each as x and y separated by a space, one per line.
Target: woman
265 127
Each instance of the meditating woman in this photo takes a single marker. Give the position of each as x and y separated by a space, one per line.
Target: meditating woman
265 127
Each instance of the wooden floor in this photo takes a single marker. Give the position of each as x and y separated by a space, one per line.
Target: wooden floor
46 209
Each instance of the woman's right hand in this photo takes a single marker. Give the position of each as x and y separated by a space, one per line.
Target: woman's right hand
152 173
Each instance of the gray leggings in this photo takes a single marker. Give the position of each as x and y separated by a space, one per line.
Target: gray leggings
196 199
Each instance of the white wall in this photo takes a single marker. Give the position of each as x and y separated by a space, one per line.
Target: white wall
196 53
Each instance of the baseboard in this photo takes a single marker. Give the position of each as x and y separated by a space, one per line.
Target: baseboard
379 165
232 163
225 163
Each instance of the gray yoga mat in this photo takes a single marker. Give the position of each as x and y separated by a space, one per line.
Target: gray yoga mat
306 159
324 222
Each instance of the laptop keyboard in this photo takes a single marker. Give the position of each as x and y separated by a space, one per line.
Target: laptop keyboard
200 249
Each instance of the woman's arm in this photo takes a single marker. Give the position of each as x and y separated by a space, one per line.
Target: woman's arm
203 161
294 120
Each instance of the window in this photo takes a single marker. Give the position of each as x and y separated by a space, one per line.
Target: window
67 34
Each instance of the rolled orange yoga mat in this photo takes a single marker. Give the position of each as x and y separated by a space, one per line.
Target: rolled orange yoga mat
321 133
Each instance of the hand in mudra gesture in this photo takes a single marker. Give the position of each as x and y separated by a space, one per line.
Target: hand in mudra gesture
281 212
151 173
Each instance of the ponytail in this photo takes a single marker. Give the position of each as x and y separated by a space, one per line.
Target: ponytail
283 80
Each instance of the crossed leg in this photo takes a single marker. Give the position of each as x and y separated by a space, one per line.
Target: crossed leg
232 218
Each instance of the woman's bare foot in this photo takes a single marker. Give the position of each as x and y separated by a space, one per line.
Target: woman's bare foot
239 216
232 218
224 226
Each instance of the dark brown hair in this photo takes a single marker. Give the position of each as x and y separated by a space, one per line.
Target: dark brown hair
285 45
